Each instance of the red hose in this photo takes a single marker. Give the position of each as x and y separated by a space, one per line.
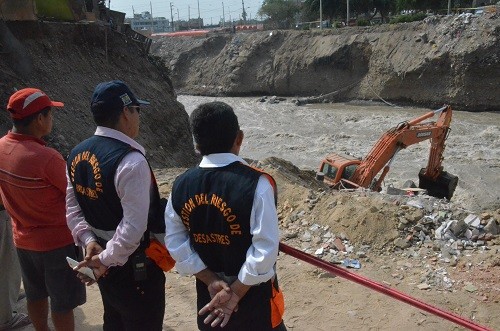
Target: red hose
380 288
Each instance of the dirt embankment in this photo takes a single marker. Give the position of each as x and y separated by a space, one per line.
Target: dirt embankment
68 60
440 60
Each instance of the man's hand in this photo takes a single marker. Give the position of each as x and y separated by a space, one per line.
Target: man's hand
93 248
92 261
220 308
216 286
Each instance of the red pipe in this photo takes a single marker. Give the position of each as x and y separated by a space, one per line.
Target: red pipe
380 288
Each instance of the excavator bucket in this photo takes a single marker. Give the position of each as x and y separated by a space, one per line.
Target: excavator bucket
443 187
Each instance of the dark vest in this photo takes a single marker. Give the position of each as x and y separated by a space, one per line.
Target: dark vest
92 166
215 205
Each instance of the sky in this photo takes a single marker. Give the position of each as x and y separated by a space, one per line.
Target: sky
210 10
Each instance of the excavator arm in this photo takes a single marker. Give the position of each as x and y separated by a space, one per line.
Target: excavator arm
405 134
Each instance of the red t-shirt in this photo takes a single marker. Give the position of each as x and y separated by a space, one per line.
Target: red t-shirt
33 190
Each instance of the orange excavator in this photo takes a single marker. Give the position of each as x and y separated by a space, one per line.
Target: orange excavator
344 171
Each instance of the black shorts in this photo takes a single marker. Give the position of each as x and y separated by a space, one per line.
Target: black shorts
47 274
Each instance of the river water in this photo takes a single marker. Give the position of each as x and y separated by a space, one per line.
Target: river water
303 135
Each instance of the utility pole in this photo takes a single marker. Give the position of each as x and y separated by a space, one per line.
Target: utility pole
347 19
152 19
223 17
172 16
449 7
189 16
244 14
199 18
321 14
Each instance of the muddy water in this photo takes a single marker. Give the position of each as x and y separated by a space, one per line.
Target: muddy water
303 135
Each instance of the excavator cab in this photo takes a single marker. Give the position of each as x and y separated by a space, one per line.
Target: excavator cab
336 169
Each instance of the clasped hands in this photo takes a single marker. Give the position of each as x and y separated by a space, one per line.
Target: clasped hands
224 302
92 261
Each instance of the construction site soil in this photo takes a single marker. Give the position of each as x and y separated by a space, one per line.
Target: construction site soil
390 236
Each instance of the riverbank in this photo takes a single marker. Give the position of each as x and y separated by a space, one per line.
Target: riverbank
443 59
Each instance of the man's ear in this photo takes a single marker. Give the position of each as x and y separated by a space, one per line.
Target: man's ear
40 118
126 112
239 138
237 143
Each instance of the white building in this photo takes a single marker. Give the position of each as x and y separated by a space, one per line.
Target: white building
145 22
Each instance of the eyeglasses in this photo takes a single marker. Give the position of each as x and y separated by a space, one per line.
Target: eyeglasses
136 108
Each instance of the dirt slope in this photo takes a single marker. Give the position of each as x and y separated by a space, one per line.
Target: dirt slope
432 62
68 60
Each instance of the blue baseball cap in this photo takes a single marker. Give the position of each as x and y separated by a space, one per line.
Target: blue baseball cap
114 95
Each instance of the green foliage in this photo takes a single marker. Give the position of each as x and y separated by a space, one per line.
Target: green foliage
408 18
363 22
280 13
337 25
55 9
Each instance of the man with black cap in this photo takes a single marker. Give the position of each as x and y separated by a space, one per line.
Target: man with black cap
33 190
112 200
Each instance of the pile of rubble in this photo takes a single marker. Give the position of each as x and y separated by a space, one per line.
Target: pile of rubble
433 235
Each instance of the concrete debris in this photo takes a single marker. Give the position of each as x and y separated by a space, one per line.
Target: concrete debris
431 235
473 220
348 263
339 245
492 227
469 287
423 286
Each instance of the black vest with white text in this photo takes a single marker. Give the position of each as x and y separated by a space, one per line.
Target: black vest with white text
92 166
215 206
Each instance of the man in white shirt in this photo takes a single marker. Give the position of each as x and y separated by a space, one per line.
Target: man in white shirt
110 200
222 227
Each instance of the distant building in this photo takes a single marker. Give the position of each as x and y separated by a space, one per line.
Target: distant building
145 22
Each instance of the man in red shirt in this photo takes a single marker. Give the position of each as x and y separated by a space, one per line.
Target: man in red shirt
33 190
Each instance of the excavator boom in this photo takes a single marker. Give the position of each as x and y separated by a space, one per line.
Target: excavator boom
380 157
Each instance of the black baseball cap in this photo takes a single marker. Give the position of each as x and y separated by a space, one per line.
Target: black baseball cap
114 95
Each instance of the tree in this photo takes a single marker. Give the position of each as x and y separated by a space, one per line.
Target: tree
384 7
280 13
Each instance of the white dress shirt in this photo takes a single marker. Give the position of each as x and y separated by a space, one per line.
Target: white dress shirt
132 182
261 255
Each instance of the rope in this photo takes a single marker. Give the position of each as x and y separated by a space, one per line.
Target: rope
386 102
308 100
380 288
